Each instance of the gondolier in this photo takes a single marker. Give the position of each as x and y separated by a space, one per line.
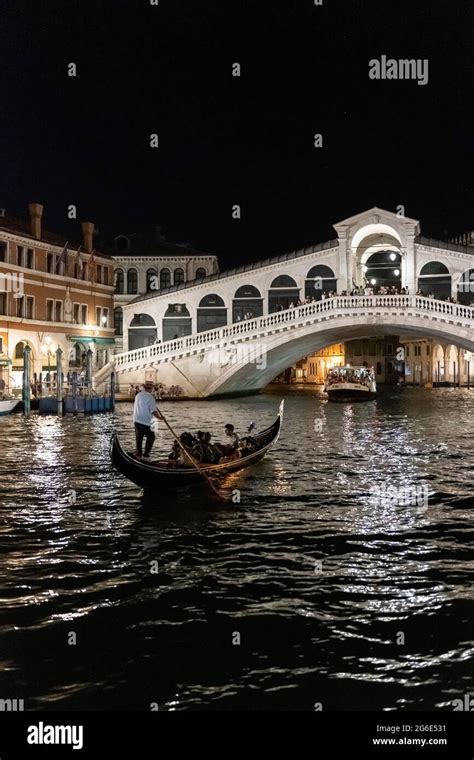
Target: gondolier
144 409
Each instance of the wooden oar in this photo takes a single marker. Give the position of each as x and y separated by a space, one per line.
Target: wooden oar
191 459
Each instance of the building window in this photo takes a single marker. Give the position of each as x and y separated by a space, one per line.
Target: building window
105 317
200 273
390 368
3 251
19 255
105 270
119 282
3 303
178 276
390 349
49 309
132 282
19 350
29 258
407 350
98 313
165 278
1 345
379 368
118 321
20 304
427 350
30 307
50 263
58 311
98 270
84 314
76 309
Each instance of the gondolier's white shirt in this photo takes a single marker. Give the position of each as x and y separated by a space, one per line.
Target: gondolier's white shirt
143 408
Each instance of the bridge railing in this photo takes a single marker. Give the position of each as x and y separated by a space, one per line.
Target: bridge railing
256 325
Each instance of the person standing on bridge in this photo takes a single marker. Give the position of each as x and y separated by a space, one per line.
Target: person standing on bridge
144 409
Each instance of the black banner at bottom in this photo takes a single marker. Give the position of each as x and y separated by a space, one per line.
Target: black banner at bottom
115 734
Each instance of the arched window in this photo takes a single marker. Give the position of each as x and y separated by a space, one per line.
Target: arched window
211 300
165 278
200 273
151 280
283 281
283 293
178 276
434 268
19 348
247 303
118 320
320 270
176 322
142 331
247 291
119 281
320 279
434 279
132 282
211 313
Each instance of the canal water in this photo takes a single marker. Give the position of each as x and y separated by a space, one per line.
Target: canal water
319 588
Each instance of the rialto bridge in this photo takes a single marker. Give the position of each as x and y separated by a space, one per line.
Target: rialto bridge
235 331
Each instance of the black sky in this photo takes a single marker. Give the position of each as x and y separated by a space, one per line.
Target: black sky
224 140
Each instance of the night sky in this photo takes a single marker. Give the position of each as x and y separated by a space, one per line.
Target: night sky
225 140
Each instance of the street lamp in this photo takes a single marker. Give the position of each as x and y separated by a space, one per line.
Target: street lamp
104 320
48 349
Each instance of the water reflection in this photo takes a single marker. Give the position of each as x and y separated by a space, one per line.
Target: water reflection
311 565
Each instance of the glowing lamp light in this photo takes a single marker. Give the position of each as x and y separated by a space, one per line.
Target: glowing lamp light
364 268
396 272
393 256
104 320
373 282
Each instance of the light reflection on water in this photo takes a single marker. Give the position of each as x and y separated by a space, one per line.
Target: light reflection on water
307 635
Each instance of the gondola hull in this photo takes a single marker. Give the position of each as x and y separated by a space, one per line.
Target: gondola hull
153 475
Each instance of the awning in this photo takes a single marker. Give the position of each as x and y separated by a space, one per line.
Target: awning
80 338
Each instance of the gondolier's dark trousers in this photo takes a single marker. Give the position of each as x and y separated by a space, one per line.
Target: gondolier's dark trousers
141 432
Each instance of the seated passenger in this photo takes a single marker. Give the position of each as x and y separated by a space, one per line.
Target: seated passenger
228 449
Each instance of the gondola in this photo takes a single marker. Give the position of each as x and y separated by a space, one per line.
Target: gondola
158 473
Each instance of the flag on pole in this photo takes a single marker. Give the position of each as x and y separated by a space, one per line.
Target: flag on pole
78 262
63 257
91 267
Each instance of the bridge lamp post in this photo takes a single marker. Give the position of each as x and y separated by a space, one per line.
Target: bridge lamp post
468 358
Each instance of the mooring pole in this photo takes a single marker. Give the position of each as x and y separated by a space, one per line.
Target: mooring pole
26 379
89 371
112 390
59 381
74 392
